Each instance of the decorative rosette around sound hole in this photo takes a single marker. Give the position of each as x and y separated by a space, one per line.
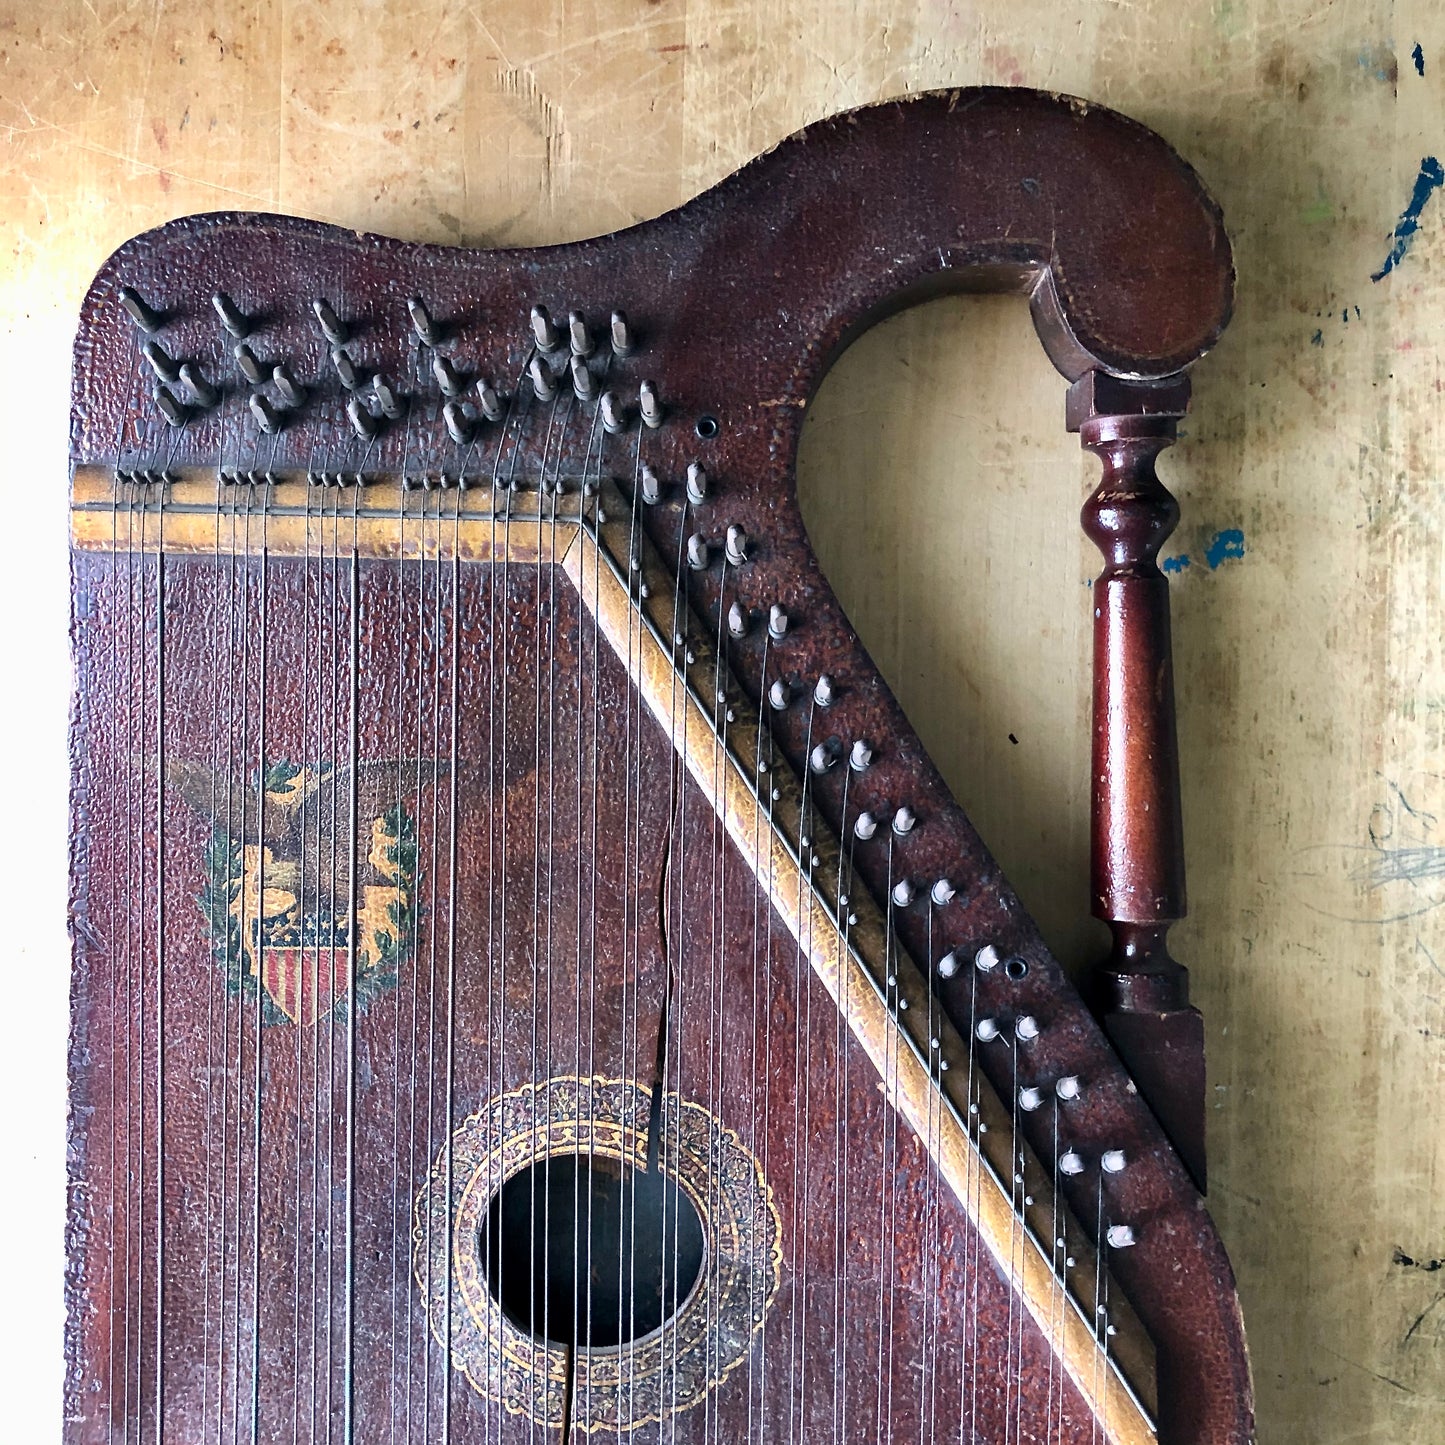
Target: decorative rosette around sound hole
721 1298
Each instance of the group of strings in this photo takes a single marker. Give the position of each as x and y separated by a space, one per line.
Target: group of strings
306 1388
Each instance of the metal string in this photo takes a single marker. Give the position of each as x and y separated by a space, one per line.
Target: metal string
677 822
718 827
891 1154
128 966
762 918
802 1005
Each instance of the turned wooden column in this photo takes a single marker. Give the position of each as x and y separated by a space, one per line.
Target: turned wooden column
1137 852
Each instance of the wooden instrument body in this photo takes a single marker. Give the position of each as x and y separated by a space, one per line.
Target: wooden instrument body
739 301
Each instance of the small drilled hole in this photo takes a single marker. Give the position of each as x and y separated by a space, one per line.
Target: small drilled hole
707 427
1016 968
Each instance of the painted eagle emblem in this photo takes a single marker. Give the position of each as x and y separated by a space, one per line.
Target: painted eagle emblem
317 924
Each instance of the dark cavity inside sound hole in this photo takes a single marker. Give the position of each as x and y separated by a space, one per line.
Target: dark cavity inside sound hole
590 1251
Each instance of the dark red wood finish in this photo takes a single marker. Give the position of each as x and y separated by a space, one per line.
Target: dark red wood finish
740 301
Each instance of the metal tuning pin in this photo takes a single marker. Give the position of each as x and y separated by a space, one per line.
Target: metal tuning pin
614 416
1120 1236
903 893
392 404
459 424
651 487
427 331
737 621
821 758
778 695
544 333
823 693
1111 1161
579 338
697 552
1026 1028
345 369
986 1030
246 361
333 328
148 319
161 361
903 821
696 483
943 892
865 825
201 390
861 758
777 623
736 546
1067 1088
490 401
266 415
986 959
447 378
174 411
649 405
362 421
949 964
583 382
1030 1099
542 380
232 317
286 385
622 339
1071 1163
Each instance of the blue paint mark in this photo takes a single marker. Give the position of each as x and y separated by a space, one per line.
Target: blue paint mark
1318 339
1430 179
1379 61
1418 56
1176 564
1223 546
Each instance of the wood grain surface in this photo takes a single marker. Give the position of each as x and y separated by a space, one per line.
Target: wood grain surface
943 494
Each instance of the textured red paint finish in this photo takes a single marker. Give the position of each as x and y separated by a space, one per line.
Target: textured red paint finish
740 300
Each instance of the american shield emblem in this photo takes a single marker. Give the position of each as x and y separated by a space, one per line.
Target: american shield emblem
294 911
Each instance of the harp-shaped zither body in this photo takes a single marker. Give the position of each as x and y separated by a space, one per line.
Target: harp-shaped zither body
530 982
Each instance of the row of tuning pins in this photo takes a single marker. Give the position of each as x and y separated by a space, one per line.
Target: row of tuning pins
568 360
182 388
1023 1028
1021 1032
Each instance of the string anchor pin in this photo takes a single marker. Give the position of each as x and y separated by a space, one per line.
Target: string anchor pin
333 328
427 331
231 315
649 405
147 318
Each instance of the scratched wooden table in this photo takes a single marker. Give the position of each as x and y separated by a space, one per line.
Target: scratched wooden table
944 493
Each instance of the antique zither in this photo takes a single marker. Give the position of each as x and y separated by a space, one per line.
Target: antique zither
530 982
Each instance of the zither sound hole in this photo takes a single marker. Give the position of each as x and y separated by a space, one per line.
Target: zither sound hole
589 1251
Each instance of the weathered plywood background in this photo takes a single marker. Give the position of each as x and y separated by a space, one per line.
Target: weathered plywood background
944 494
